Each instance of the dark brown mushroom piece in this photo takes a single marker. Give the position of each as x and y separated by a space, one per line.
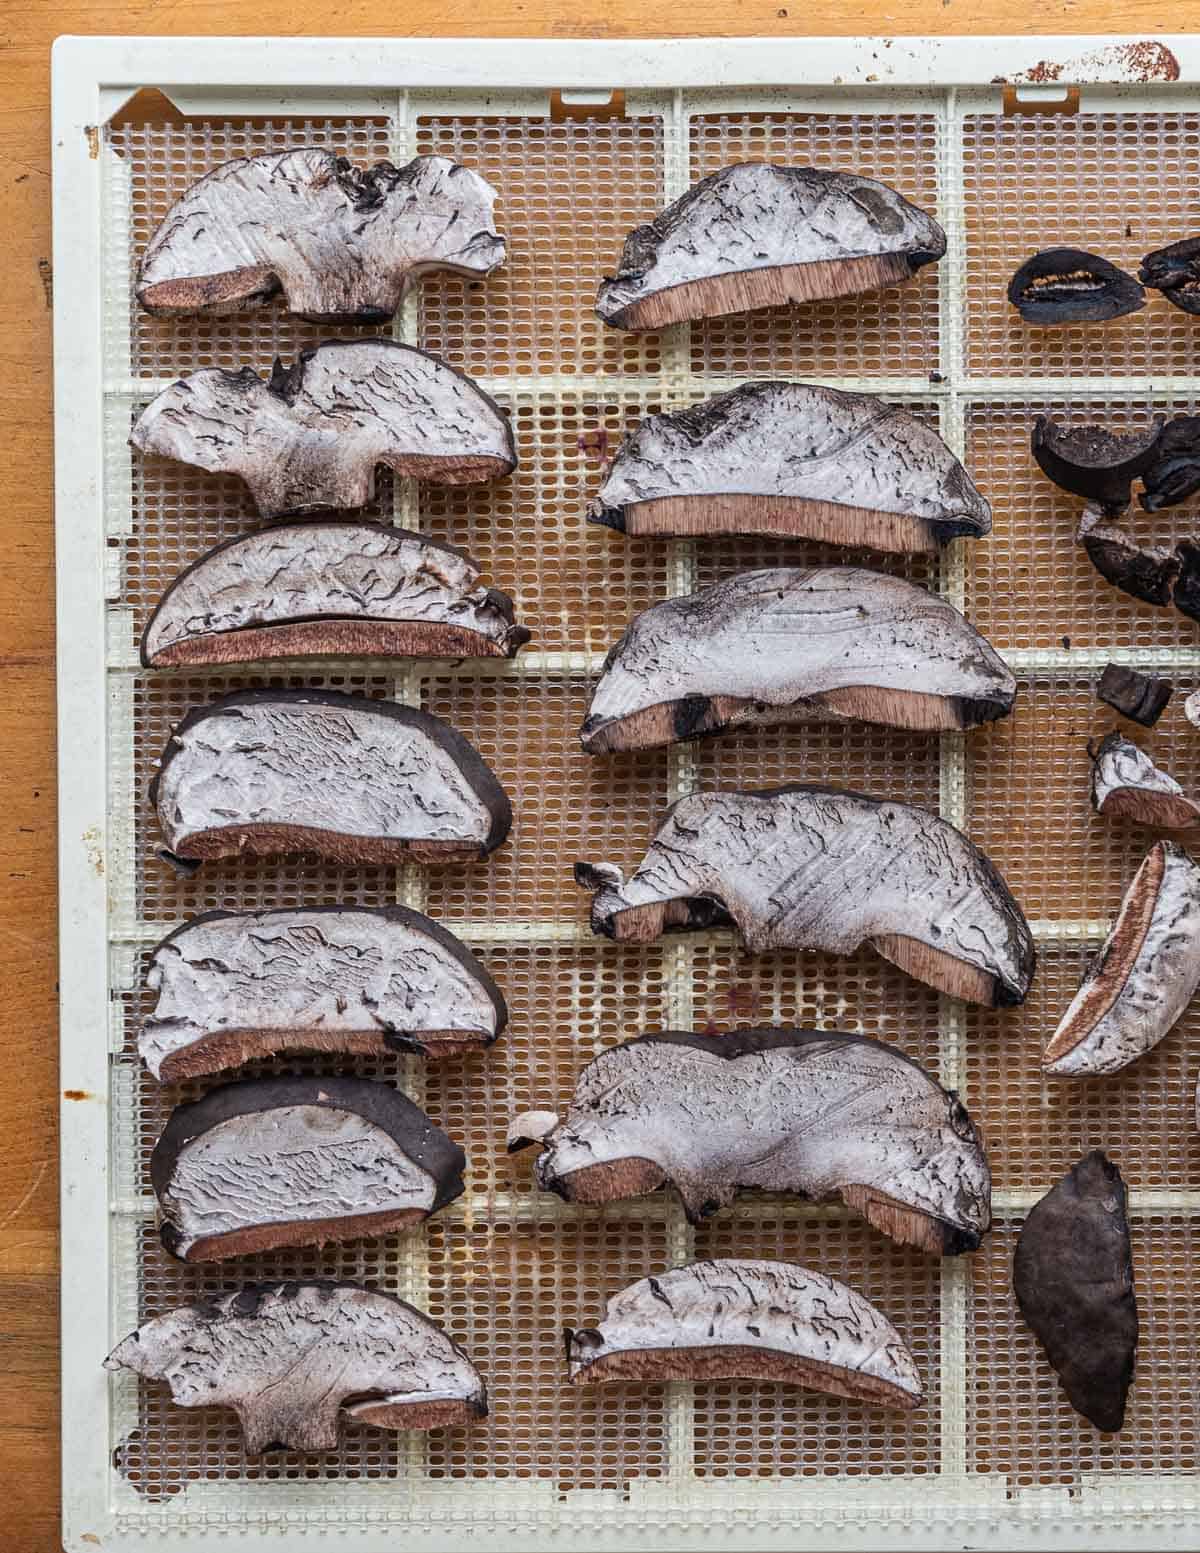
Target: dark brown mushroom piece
260 773
1067 285
1145 572
1175 271
1174 473
1073 1278
794 460
296 1360
1187 586
236 986
326 589
810 867
757 235
1127 785
311 437
1140 697
1093 462
748 1320
297 1162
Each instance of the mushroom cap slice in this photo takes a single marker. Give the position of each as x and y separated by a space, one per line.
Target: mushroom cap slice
1093 462
330 588
756 235
1146 572
792 459
1068 285
789 644
297 1162
816 1112
810 867
1140 697
294 1359
263 772
1127 785
748 1319
340 243
1142 978
1175 271
1073 1278
236 986
310 438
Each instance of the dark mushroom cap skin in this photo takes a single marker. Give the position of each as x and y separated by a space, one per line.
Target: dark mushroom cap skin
1174 473
1175 271
1067 285
1093 462
1141 697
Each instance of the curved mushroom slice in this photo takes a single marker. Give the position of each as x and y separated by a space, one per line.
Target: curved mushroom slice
1127 785
797 460
1093 462
322 589
295 1359
235 986
1175 271
340 243
1143 976
1174 473
1145 572
1067 285
263 772
755 235
790 644
312 436
297 1162
815 1112
1073 1278
1141 697
751 1320
809 867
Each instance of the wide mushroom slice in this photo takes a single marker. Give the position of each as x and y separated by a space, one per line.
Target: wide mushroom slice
1093 462
1069 285
751 1320
294 1360
1127 785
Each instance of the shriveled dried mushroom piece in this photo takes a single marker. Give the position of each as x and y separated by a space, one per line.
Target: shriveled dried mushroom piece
1067 285
311 437
1093 462
294 1360
791 644
815 1112
1175 271
324 589
235 986
1146 572
756 235
356 780
297 1162
809 867
340 243
752 1320
797 460
1141 697
1127 785
1174 472
1143 977
1073 1278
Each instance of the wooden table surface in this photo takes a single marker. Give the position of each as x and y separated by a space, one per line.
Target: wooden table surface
29 1093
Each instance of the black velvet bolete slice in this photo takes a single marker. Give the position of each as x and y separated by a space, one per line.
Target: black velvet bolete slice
1073 1278
1067 285
260 773
1174 473
295 1360
311 437
757 235
297 1162
1140 697
1093 462
815 1112
1175 271
1127 785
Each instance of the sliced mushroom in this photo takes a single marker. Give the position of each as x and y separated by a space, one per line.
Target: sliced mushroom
263 772
323 589
1127 785
1144 572
1144 976
235 986
791 644
341 244
809 867
1073 1278
1093 462
1067 285
797 460
1187 588
295 1359
312 436
748 1320
756 235
1140 697
1191 709
1175 271
297 1162
815 1112
1174 474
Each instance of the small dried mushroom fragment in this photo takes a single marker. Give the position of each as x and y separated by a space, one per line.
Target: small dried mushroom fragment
341 244
790 644
748 1320
1174 473
1191 709
356 780
1175 271
809 867
311 436
294 1360
322 589
1146 572
1143 977
797 460
815 1112
297 1162
1067 285
1093 462
235 986
756 235
1141 697
1073 1278
1127 785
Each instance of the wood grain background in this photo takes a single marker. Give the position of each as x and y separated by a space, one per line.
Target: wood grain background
29 1091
